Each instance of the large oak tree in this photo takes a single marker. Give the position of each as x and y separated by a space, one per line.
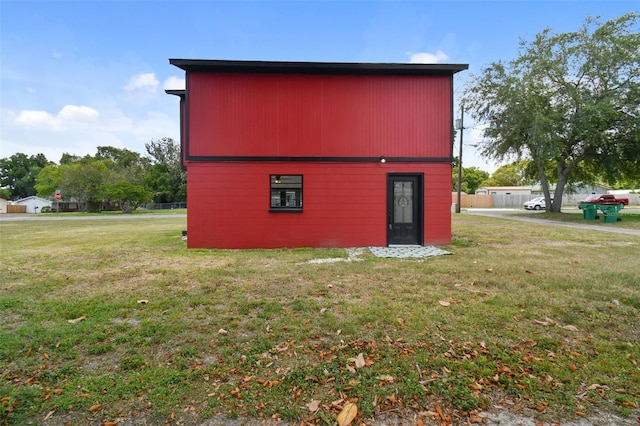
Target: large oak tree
570 103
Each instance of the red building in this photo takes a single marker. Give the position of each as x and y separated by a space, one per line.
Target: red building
299 154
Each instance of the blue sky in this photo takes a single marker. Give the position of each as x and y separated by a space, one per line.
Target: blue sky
75 75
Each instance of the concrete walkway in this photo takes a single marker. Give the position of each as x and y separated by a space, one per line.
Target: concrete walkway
511 214
403 252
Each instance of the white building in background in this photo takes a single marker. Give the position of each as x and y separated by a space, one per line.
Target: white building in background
34 204
503 190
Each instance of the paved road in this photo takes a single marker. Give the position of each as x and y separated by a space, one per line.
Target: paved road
511 214
41 216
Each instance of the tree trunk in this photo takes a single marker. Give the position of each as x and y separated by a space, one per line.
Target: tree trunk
544 183
126 208
563 177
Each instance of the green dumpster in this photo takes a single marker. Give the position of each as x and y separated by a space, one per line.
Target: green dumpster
610 212
589 211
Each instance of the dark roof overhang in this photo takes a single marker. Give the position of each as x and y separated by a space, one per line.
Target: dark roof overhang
177 92
340 68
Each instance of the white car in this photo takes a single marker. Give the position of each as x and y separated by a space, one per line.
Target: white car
537 203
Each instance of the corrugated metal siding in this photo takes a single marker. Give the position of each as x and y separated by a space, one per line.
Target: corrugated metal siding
183 132
312 115
437 202
344 205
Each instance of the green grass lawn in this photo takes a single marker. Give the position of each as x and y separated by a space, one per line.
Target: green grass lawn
103 320
627 220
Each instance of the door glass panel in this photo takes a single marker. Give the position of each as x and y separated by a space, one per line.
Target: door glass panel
403 202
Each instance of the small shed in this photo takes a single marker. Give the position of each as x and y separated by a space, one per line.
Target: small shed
34 204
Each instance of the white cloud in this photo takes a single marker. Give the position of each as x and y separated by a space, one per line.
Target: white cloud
37 119
67 115
79 131
141 88
427 58
78 113
142 82
174 83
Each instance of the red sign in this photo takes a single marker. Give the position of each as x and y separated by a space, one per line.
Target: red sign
58 196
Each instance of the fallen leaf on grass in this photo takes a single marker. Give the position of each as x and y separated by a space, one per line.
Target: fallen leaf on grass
546 321
348 413
313 405
386 378
360 362
542 407
570 328
223 332
94 408
475 386
596 386
444 303
440 414
76 320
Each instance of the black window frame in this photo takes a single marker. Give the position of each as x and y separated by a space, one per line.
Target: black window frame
286 184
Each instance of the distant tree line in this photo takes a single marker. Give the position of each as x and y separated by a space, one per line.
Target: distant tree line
517 173
523 173
113 175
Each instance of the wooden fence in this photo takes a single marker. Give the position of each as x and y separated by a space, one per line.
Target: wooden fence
468 200
13 208
516 201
